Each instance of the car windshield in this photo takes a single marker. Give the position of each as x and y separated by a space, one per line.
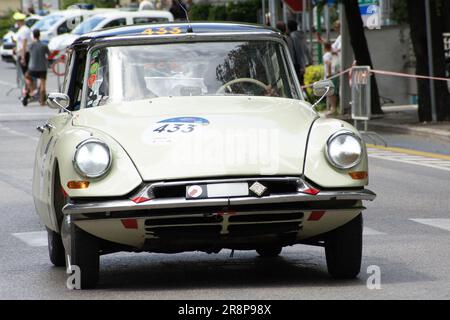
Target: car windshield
46 23
127 73
87 26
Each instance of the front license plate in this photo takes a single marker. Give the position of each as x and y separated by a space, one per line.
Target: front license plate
217 190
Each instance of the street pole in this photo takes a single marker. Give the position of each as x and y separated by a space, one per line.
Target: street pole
263 12
346 57
430 62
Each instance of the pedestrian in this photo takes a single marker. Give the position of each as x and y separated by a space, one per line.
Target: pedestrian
281 26
302 55
146 5
23 40
37 68
178 10
331 68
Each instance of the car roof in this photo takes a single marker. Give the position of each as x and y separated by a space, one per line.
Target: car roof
78 12
146 13
197 28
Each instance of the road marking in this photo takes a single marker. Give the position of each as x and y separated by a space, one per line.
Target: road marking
425 159
17 133
34 238
409 151
437 223
8 84
372 232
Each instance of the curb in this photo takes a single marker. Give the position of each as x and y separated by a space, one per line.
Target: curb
424 132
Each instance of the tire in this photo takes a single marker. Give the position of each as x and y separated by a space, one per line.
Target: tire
56 250
85 255
269 252
343 250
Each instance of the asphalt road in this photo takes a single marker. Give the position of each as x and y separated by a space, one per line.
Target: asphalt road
413 255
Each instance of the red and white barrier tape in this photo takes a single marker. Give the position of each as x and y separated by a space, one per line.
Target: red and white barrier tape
386 73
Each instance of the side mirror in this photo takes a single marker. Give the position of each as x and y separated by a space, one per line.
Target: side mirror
58 100
323 88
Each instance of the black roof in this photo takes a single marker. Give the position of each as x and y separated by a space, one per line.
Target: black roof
177 28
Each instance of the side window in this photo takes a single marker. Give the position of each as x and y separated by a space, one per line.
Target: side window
98 81
68 70
116 23
76 82
63 28
141 20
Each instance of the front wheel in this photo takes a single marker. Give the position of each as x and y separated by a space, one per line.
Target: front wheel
343 249
85 255
55 248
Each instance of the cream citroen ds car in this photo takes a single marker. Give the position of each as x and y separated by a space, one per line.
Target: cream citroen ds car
178 137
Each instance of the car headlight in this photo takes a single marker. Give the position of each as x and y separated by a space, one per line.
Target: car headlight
344 149
92 158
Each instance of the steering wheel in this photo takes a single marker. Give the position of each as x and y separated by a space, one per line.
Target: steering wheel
229 83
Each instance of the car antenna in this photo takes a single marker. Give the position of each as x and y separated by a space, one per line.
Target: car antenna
189 29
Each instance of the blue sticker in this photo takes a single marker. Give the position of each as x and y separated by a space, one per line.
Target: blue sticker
192 120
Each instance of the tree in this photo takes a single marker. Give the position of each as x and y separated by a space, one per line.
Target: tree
417 22
360 47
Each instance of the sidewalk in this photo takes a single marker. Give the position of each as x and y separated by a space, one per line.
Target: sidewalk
404 119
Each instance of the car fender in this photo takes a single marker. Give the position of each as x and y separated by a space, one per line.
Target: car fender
318 169
121 179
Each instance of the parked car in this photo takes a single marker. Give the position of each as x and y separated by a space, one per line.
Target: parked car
60 22
179 137
9 39
106 20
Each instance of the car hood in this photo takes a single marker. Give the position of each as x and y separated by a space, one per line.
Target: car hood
62 41
199 137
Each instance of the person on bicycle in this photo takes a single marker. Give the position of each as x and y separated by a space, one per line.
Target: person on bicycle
37 68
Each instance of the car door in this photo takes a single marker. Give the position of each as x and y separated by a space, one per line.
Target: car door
44 168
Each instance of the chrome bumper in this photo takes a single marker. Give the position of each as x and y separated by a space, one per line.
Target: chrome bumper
169 203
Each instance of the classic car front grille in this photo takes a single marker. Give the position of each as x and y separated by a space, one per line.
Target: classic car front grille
224 224
274 187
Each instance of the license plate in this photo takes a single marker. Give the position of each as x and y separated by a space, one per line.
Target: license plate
217 190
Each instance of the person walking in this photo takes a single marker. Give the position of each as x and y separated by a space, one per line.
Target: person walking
146 5
331 68
37 68
302 56
23 40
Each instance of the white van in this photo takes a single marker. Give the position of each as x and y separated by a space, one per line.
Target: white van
60 22
107 20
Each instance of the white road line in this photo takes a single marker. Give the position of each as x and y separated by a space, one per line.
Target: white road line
372 232
17 133
33 239
8 84
437 223
440 164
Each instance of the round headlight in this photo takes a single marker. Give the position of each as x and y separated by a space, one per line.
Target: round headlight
92 158
344 150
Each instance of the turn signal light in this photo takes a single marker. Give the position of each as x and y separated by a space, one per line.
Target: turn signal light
359 175
78 184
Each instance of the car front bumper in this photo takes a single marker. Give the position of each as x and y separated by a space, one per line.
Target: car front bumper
125 205
175 224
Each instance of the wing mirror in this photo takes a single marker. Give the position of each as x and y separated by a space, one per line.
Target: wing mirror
58 100
322 89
